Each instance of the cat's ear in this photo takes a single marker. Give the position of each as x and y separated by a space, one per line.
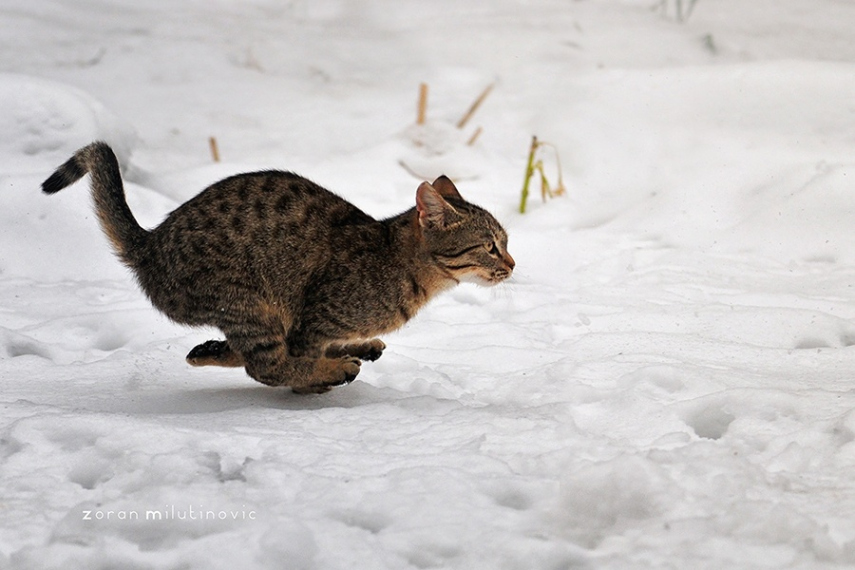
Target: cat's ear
433 210
446 187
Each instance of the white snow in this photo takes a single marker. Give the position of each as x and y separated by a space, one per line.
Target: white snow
666 383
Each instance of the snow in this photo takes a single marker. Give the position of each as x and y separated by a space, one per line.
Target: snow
666 382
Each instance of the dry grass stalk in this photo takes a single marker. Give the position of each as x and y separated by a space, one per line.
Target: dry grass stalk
535 165
422 112
474 137
529 170
215 150
474 107
410 171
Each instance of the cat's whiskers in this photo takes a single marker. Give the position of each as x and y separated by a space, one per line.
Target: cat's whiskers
503 290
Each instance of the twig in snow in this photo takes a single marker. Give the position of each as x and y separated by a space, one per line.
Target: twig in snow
474 107
532 166
215 150
474 136
422 111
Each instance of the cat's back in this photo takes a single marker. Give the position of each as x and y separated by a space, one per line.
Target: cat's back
259 207
241 234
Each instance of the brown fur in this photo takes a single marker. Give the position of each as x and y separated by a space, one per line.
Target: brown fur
298 279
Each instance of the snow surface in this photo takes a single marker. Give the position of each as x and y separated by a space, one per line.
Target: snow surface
666 383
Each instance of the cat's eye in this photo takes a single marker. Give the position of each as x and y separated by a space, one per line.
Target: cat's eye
492 248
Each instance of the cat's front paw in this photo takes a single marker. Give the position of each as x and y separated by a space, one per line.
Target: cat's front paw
373 349
369 350
348 370
330 372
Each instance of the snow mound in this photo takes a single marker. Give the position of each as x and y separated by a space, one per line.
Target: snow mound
43 122
42 237
739 157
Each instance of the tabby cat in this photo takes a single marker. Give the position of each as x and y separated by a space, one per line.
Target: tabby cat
299 280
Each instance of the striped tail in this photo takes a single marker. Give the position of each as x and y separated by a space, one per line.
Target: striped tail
117 221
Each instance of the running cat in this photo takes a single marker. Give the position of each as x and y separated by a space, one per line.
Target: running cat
299 280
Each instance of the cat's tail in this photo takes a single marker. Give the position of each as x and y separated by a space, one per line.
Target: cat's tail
117 221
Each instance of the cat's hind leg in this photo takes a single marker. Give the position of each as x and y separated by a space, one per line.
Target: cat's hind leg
304 375
367 350
267 359
215 353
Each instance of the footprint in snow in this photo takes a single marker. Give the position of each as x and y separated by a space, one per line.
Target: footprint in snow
710 421
14 345
844 340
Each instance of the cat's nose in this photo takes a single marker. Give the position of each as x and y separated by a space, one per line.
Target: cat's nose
509 261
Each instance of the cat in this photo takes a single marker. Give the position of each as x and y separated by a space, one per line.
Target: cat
298 279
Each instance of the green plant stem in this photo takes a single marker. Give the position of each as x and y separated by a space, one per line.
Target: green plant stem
529 170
